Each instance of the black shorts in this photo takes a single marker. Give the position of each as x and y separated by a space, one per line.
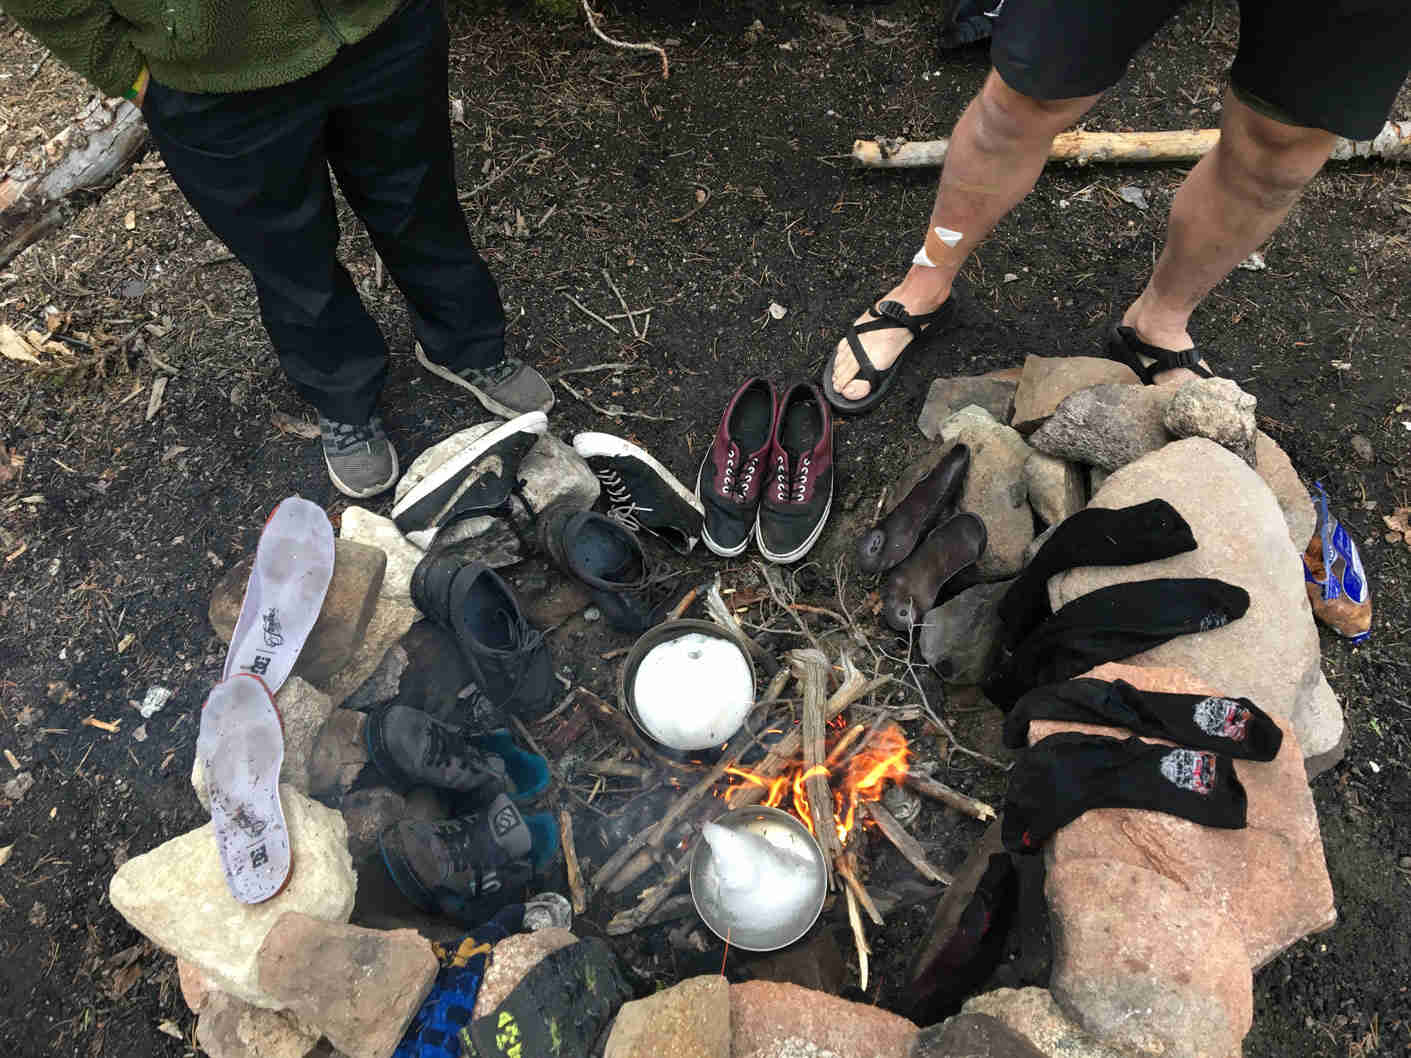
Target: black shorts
1324 64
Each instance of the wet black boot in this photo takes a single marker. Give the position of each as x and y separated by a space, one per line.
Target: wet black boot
419 749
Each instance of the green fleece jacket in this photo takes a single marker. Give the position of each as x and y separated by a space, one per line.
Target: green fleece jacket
198 45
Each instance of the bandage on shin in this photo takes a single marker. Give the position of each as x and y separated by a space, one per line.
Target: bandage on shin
936 238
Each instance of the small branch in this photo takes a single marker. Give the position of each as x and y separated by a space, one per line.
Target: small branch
590 314
593 25
776 589
929 787
683 605
908 846
619 769
848 873
631 322
620 365
859 938
652 898
614 411
570 861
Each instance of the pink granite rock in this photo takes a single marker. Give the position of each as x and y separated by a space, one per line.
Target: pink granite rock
766 1015
1270 879
1141 962
689 1020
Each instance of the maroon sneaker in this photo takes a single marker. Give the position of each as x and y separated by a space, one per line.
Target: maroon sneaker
731 478
800 490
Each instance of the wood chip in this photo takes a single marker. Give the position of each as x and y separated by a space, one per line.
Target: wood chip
102 725
286 423
154 401
5 854
14 347
14 761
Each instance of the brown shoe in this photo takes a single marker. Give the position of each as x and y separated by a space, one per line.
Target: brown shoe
506 389
912 588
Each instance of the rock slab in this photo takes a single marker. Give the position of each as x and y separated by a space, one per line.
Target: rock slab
514 957
352 593
361 526
177 897
973 1036
231 1028
1107 426
340 754
948 395
1033 1014
1144 964
1269 880
765 1015
1057 488
360 987
1047 380
368 812
390 621
995 490
689 1020
555 477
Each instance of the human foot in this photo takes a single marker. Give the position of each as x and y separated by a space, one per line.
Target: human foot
883 345
1175 340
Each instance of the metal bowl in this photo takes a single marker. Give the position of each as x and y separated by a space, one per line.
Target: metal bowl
780 829
663 632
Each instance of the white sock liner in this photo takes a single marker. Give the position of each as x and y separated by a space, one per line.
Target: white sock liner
293 565
241 747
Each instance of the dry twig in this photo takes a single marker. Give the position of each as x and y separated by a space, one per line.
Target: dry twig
570 861
593 25
907 845
614 411
928 787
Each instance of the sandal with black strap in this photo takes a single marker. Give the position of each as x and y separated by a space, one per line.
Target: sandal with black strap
891 315
1125 347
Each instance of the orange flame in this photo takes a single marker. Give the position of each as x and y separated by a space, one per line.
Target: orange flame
853 780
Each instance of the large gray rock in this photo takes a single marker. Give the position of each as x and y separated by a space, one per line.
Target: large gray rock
231 1028
368 812
1107 426
957 422
1047 380
958 638
1217 409
390 620
1033 1014
176 896
994 489
555 478
1144 964
383 684
1057 488
1270 655
688 1020
1288 488
1322 731
948 395
303 709
347 607
363 527
361 987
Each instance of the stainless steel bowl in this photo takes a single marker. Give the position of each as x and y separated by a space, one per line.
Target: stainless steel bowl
780 829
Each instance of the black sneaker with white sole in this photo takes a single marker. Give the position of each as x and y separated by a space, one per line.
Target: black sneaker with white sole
641 493
477 480
360 459
799 495
731 480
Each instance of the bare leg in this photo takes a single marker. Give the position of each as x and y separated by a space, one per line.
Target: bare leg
996 154
1229 204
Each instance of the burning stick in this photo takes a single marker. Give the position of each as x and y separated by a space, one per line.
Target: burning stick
848 873
811 668
843 744
904 842
570 862
929 787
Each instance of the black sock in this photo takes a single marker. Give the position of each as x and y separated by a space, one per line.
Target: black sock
1233 726
1094 536
1110 624
1064 775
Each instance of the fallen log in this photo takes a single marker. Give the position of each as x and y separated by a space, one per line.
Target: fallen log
105 136
1392 144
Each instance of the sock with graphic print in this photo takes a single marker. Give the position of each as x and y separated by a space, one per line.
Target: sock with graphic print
1094 536
1058 779
1110 624
1233 726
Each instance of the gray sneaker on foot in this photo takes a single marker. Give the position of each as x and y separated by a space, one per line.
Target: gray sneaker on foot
506 389
360 459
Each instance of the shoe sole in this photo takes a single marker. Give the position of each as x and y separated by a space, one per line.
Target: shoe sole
802 549
606 445
373 490
489 403
241 748
284 594
445 478
711 545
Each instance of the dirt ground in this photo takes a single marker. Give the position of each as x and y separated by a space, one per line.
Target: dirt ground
706 198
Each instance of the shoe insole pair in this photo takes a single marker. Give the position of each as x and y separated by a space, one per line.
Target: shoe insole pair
241 741
799 430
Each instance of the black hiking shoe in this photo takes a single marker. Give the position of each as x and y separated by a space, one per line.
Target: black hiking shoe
800 493
641 493
475 481
731 480
469 867
606 557
509 659
410 745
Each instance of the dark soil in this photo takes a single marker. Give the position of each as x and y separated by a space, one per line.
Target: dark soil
706 197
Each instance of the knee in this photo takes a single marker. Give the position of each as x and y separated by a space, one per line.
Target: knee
1273 160
1005 117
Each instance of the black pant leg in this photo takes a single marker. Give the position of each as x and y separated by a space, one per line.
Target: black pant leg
389 143
253 165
